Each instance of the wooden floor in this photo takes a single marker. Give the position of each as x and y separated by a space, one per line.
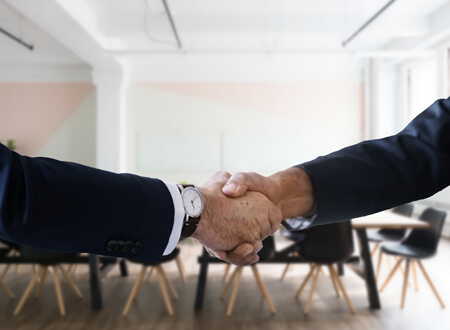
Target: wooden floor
422 310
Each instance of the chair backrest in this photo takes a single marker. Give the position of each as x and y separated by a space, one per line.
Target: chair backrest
428 238
268 251
406 210
328 243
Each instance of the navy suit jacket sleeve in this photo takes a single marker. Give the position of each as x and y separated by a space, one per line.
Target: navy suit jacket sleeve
61 206
379 174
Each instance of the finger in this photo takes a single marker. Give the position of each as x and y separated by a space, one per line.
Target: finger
239 183
241 255
219 177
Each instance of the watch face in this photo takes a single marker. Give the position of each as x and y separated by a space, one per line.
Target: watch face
193 202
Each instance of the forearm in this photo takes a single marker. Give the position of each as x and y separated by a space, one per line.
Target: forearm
63 206
375 175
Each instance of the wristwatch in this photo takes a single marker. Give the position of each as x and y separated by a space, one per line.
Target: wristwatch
193 206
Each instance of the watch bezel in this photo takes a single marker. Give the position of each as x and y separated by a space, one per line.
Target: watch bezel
201 200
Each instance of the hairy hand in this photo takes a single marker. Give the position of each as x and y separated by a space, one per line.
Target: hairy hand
227 222
291 190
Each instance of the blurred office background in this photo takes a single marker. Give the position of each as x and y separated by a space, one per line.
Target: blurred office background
249 85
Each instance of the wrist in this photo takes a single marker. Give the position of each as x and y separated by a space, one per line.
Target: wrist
296 192
203 224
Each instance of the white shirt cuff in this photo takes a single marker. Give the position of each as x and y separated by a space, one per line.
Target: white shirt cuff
178 217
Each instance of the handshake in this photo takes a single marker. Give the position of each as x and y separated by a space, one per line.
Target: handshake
241 210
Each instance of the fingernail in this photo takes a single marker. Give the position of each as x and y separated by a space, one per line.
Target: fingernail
231 187
258 247
247 252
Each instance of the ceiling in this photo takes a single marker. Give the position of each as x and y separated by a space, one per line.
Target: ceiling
67 32
258 25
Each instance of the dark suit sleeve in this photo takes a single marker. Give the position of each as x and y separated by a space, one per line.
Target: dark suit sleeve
379 174
61 206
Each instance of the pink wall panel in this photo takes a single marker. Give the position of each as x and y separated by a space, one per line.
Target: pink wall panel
31 113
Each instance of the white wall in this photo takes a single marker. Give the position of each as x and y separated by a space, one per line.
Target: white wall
242 135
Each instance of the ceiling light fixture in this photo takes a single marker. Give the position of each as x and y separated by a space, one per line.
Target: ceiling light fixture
13 37
366 24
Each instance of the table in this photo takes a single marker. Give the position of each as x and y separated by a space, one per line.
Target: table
381 220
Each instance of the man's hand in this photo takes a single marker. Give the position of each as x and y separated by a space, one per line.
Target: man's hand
291 190
227 222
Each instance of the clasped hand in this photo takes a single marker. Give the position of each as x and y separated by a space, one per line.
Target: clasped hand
233 228
228 222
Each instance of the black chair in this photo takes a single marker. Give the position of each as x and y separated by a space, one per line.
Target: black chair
4 252
384 235
162 279
296 237
389 235
419 244
47 260
326 245
268 254
13 250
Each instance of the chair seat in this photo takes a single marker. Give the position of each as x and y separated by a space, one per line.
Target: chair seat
407 251
385 236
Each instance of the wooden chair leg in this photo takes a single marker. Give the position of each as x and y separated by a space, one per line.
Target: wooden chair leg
397 265
150 273
8 266
388 259
41 282
169 284
26 294
344 292
235 290
431 284
333 280
374 250
16 271
413 266
305 281
59 295
227 270
230 281
164 291
71 282
263 288
134 291
380 256
285 271
180 269
6 289
405 283
313 288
